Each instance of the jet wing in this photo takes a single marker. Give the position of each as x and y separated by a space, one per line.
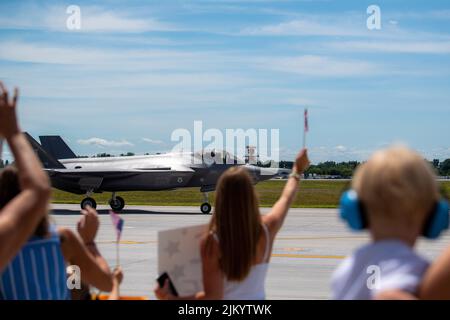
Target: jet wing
161 178
119 172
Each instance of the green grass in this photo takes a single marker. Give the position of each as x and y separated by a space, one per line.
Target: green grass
313 194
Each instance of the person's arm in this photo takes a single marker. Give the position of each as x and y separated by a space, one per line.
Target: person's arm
395 295
436 282
274 220
212 275
76 253
117 280
20 216
87 228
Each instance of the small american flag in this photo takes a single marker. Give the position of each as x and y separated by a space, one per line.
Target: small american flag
306 121
117 222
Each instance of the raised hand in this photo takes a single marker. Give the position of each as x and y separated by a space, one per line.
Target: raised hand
8 118
301 162
117 276
164 292
88 225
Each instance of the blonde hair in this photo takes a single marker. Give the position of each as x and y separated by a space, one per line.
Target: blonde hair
237 223
397 183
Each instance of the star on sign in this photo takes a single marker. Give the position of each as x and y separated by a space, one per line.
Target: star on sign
177 272
172 248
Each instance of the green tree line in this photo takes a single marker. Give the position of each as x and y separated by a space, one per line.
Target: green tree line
346 169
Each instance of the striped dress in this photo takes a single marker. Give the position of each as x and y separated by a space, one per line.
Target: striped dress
38 272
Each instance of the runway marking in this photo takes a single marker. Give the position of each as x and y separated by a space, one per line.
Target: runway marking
131 242
126 242
306 256
292 249
320 238
276 255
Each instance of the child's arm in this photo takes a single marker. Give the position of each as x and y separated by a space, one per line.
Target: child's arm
87 228
75 252
21 215
395 295
117 280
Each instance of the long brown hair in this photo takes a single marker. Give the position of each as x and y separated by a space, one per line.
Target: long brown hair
10 188
237 222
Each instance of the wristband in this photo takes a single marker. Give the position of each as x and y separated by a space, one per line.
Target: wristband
295 175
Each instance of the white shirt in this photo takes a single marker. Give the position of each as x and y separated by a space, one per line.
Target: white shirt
376 267
253 286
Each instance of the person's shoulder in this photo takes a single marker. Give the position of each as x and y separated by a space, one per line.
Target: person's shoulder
397 255
66 234
209 246
207 239
354 264
343 270
401 269
344 277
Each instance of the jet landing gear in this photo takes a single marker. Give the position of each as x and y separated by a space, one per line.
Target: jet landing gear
205 207
88 202
116 203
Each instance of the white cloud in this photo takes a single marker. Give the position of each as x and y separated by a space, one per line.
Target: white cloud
104 143
340 148
99 21
304 27
151 141
324 153
340 153
312 65
46 53
93 19
424 47
28 52
431 14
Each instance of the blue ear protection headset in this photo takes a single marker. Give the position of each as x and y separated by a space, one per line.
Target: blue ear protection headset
352 211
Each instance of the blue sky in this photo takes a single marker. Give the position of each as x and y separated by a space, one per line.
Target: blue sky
137 70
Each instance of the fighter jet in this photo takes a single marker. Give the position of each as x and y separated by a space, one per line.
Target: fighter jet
137 173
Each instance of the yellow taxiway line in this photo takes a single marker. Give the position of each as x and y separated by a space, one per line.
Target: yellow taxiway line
306 256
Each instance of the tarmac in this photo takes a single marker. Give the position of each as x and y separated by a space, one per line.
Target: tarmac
308 248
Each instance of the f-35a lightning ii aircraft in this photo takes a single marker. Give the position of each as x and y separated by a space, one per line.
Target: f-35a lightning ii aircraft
136 173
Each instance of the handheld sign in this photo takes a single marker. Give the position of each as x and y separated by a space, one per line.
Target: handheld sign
179 257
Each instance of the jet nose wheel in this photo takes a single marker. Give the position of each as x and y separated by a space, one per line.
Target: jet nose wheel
88 202
117 204
205 208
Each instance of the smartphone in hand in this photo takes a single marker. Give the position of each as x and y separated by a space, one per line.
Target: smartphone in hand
162 279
